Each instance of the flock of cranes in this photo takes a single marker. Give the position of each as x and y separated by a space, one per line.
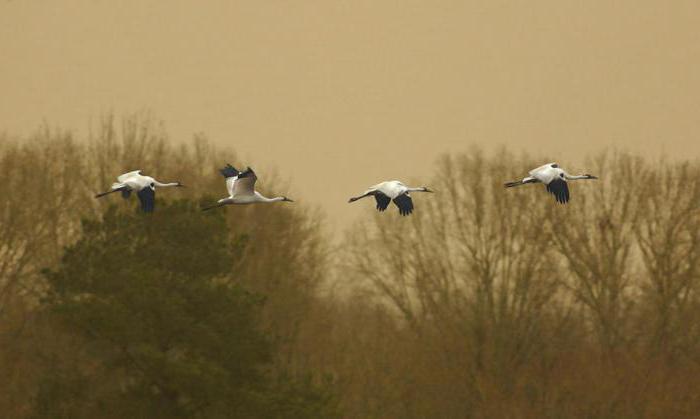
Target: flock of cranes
241 188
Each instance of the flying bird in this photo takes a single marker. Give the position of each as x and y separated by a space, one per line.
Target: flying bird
392 190
554 178
241 189
145 187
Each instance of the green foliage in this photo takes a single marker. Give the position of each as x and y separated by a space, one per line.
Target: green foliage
169 335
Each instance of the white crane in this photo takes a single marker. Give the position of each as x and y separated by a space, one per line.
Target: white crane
554 178
241 189
145 187
392 190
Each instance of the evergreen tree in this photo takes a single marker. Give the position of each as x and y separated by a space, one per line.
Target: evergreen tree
170 337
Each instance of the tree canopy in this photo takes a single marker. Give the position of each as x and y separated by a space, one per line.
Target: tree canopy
170 331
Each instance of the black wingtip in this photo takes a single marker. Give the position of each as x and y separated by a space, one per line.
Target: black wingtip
229 171
246 173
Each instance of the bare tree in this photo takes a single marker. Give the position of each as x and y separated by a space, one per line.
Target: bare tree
472 273
39 185
668 234
595 237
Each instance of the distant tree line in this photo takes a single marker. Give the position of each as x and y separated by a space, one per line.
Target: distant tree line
109 312
485 302
500 303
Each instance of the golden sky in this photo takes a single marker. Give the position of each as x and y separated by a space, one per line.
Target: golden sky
338 95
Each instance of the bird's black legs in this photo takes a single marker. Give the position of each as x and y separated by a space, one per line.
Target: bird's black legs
212 207
516 183
520 182
355 198
100 195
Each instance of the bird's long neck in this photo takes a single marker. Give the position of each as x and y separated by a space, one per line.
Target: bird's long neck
575 177
419 189
165 185
262 198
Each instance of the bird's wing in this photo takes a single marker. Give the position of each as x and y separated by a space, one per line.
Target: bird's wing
125 176
549 165
546 173
245 183
229 171
230 181
382 201
405 204
147 196
560 189
392 189
231 174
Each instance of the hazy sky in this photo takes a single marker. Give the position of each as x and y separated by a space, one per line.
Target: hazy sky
341 94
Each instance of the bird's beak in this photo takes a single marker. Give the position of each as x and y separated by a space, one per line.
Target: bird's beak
592 177
181 186
288 200
429 190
